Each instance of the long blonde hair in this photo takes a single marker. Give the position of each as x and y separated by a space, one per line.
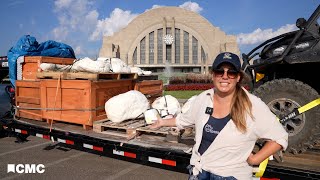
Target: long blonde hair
241 105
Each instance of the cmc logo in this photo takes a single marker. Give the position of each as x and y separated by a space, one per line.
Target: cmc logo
26 168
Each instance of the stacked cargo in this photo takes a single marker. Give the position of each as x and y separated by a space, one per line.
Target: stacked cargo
72 97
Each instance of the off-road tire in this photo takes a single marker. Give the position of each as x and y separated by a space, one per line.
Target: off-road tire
301 94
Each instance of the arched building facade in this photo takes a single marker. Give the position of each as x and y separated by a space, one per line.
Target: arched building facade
169 36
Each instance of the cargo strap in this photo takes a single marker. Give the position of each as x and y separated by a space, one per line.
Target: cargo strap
296 112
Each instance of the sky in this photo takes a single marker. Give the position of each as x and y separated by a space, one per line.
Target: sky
81 24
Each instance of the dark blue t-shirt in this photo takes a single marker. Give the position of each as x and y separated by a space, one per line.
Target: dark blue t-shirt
210 131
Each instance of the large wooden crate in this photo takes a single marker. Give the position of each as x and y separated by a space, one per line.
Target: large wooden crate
152 89
79 101
28 97
31 65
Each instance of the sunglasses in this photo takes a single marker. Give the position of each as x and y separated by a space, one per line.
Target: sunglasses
230 73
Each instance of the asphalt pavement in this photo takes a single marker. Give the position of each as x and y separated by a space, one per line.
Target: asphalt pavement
61 162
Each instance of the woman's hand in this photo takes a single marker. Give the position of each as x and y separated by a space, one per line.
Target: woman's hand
171 122
157 124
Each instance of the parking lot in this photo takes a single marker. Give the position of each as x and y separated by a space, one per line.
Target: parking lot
64 163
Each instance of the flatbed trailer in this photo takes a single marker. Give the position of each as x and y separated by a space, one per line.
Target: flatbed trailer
155 151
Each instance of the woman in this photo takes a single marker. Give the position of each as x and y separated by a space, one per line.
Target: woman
228 120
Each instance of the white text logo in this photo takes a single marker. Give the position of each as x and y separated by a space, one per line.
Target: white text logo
26 168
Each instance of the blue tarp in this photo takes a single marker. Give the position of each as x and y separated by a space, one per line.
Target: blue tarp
28 46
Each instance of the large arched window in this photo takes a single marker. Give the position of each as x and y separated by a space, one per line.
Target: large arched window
177 46
160 48
185 49
151 47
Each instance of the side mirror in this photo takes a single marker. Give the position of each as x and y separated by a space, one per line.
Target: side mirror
301 23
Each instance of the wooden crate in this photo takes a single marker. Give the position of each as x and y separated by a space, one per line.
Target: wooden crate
152 89
79 101
28 96
31 65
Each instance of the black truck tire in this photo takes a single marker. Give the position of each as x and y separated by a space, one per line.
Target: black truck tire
282 95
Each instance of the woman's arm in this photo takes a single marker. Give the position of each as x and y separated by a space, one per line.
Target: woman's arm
164 122
270 148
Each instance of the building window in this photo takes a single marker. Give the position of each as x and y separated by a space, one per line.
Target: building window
168 47
135 56
177 46
160 49
194 50
168 53
185 47
203 55
151 47
168 31
143 51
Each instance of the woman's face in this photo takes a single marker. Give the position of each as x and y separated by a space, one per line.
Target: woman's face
225 78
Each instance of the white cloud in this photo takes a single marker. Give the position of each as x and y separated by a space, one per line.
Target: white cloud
118 19
60 4
77 50
60 33
259 35
74 16
80 26
192 6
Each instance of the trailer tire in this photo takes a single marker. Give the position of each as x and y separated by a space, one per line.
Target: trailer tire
281 95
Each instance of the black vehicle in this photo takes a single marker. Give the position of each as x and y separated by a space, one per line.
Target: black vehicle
285 76
4 68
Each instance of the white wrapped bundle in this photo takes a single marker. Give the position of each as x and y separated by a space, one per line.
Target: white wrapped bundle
88 65
118 66
125 106
167 105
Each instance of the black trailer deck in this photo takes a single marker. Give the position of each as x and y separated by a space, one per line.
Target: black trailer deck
153 151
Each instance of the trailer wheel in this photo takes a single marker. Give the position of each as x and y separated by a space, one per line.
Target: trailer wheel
282 96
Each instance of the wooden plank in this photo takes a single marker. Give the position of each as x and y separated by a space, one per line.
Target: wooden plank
162 130
47 59
29 100
51 75
86 76
152 87
29 83
167 132
28 96
124 129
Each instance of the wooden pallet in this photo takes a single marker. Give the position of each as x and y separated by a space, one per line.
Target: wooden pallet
167 132
87 76
125 129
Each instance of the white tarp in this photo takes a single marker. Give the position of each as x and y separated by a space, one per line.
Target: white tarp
101 65
126 106
88 65
117 66
139 71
